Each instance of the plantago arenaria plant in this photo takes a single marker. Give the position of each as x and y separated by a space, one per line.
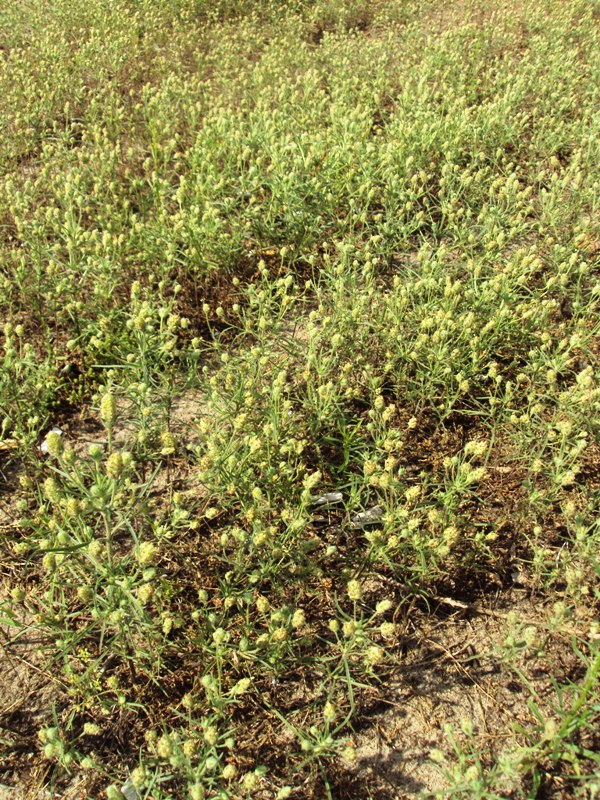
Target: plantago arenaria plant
298 387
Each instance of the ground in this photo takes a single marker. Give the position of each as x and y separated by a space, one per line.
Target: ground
299 400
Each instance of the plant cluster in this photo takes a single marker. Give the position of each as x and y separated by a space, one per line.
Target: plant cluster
365 241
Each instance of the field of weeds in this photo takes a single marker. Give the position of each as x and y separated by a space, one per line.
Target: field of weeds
299 399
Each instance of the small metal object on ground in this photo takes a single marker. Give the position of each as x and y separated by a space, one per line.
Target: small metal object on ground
369 517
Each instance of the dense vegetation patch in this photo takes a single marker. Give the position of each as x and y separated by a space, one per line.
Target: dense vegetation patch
299 353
